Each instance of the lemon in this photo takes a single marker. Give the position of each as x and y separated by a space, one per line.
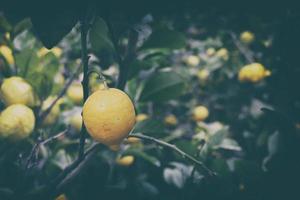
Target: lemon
75 93
133 140
55 50
15 90
125 161
76 121
222 53
141 117
200 113
210 51
203 74
52 117
247 37
7 53
61 197
192 60
253 73
59 79
109 116
17 122
171 120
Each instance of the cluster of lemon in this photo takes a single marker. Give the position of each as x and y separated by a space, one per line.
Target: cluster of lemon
253 72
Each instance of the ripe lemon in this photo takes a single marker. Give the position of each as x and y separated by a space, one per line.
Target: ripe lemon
133 140
141 117
203 74
109 116
210 51
125 161
17 122
200 113
247 37
171 120
76 121
222 53
75 93
55 50
6 52
253 73
52 117
192 60
15 90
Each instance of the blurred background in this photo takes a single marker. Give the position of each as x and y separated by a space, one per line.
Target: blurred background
220 84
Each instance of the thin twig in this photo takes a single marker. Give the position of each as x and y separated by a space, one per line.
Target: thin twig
36 147
174 148
248 55
45 113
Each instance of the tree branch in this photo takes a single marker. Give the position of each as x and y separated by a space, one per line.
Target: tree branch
176 149
85 82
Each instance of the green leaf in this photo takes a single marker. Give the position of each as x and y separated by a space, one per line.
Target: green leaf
42 84
136 66
163 86
53 23
151 127
143 155
27 61
101 43
62 159
165 38
217 138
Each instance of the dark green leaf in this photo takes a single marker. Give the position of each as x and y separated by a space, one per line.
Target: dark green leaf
163 86
27 61
150 127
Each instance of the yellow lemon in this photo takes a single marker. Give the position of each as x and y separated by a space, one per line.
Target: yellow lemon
171 120
7 53
125 161
52 117
109 116
76 121
59 79
141 117
247 37
192 60
253 73
210 51
200 113
203 74
55 50
15 90
133 140
75 93
17 122
222 53
61 197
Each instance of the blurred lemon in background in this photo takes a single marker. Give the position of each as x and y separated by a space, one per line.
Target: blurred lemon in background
125 160
210 51
76 121
223 53
171 120
109 116
141 117
192 60
17 122
247 37
75 93
55 50
253 73
15 90
52 117
7 53
203 74
200 113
